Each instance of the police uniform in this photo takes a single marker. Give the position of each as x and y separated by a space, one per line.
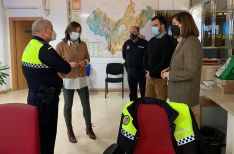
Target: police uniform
40 64
133 54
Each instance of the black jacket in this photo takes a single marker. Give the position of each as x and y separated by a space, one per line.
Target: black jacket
133 54
36 77
158 55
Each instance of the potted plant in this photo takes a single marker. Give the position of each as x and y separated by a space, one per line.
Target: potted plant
3 75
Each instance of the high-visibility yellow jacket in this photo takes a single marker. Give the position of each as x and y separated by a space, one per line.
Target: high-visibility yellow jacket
180 120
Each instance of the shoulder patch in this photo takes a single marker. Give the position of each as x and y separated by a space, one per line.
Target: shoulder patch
126 120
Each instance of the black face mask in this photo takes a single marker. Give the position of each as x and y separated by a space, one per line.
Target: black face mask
133 36
175 29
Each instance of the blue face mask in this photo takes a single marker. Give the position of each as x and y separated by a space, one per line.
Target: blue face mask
155 31
74 36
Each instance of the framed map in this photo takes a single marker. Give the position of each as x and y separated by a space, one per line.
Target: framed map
106 24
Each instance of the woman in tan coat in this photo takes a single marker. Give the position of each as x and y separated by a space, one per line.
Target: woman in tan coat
75 51
184 73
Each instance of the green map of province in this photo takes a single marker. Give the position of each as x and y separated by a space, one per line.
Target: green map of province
117 32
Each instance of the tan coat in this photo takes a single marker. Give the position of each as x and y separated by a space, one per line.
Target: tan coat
185 72
73 53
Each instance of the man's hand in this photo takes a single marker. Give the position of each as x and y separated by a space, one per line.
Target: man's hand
61 75
147 76
72 64
75 64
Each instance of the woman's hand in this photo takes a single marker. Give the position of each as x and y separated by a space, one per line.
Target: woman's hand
165 70
83 63
165 75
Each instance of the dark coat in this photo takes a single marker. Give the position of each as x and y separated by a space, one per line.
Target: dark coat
158 55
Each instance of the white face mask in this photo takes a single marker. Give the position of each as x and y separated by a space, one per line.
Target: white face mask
74 36
54 35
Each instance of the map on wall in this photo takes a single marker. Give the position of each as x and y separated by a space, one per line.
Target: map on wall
106 24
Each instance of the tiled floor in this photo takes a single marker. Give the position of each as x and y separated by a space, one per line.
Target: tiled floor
105 114
105 117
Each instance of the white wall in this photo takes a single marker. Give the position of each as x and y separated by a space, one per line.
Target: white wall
1 34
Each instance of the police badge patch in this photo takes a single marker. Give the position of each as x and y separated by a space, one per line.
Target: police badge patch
126 120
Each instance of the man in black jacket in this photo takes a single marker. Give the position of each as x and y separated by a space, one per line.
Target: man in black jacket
158 57
42 68
133 54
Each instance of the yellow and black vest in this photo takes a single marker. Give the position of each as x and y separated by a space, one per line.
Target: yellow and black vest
30 56
41 63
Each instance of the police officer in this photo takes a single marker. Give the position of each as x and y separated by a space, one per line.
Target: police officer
42 67
133 54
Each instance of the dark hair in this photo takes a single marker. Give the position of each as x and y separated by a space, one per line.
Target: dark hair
161 19
70 28
137 28
188 26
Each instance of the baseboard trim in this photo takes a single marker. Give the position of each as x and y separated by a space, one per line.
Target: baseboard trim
5 91
109 90
90 89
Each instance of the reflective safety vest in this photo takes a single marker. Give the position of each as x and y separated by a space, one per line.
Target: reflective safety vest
30 55
184 129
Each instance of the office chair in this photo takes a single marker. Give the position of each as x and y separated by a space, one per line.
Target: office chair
19 131
114 69
154 130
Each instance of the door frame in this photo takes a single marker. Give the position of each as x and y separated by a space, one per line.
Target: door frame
13 47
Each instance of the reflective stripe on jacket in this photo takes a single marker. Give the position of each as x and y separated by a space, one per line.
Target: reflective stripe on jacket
184 129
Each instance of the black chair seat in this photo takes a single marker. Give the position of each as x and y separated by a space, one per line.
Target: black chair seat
114 80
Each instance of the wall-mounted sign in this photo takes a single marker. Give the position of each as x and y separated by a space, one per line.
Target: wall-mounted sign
75 4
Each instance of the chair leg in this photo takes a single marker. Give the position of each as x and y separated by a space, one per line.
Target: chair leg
105 88
122 89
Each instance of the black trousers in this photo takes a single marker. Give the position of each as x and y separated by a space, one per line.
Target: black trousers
136 77
46 100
